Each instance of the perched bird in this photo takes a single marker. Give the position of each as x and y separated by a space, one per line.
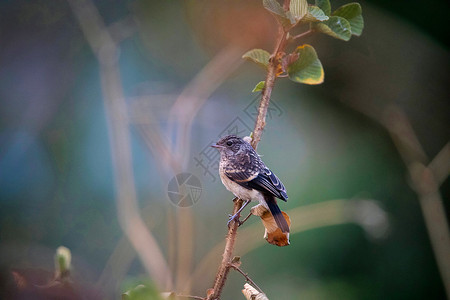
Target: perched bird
245 175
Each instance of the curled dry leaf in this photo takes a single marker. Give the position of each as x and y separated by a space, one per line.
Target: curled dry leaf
251 293
272 233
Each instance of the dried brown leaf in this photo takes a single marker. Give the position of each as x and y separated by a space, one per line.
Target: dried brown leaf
272 233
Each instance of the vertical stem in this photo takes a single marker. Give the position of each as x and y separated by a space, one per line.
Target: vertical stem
224 268
260 122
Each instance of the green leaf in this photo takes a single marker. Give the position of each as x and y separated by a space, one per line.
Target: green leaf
336 27
259 86
277 10
352 12
324 5
307 68
315 14
259 56
298 9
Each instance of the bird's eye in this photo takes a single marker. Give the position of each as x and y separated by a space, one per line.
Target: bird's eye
229 143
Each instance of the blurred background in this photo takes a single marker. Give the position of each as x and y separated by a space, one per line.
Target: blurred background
358 227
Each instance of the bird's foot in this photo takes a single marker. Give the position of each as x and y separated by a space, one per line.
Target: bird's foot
234 217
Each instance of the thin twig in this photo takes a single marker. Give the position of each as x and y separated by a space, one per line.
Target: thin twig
247 278
301 35
189 296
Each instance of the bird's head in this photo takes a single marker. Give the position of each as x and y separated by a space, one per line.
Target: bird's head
231 145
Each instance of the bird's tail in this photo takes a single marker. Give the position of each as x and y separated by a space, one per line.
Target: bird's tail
276 213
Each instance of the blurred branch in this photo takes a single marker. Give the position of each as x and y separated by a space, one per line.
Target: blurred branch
425 179
116 268
171 159
440 166
123 29
425 185
107 52
194 96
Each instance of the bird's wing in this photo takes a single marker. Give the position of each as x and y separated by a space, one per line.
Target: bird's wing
241 176
269 182
264 181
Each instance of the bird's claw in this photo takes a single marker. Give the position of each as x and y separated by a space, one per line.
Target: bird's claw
235 218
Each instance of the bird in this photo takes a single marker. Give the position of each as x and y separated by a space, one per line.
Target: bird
244 174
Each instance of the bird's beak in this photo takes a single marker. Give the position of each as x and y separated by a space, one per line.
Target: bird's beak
217 146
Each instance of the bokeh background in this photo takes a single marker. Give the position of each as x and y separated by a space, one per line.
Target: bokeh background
179 65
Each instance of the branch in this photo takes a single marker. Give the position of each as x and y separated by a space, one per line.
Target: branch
267 92
247 278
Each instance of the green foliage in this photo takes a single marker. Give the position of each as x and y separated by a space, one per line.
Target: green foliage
277 10
303 65
259 86
259 56
324 5
343 22
307 68
315 14
336 27
298 9
352 12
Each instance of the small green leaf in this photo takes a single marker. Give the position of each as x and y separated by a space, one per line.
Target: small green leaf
336 27
259 86
236 261
259 56
315 14
324 5
277 10
298 9
307 68
352 12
